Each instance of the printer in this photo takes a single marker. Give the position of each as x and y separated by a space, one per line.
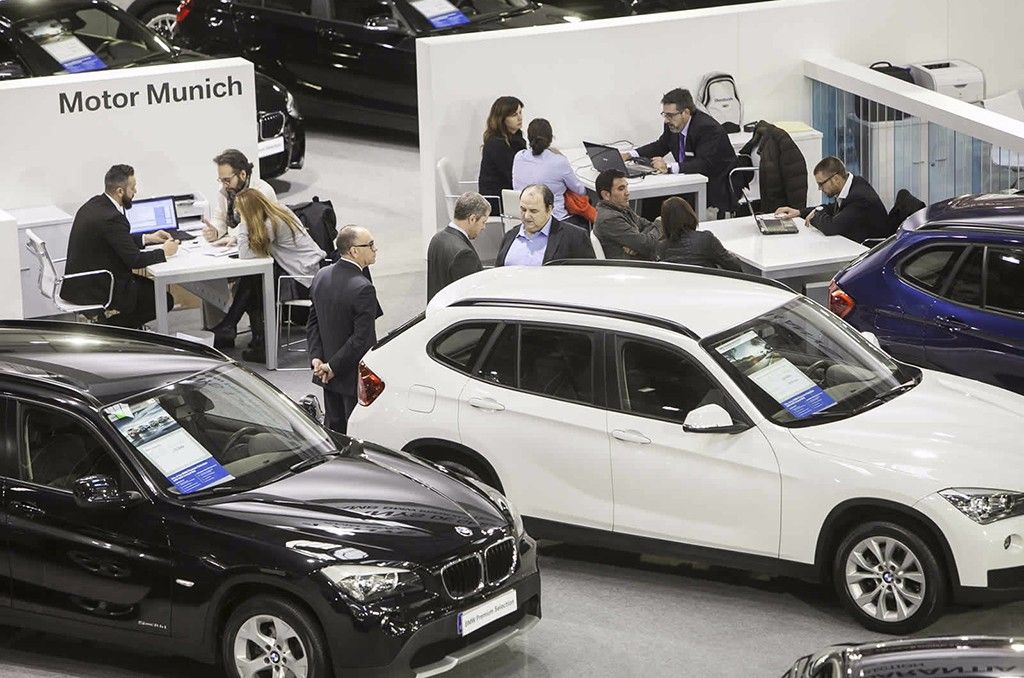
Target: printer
953 77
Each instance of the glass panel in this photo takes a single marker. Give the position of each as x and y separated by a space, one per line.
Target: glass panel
966 286
57 450
663 384
1005 279
557 363
930 268
500 364
461 347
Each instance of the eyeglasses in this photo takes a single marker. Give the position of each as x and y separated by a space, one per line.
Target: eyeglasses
227 180
666 114
822 183
370 244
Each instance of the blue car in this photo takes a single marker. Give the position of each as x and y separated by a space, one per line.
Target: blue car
947 290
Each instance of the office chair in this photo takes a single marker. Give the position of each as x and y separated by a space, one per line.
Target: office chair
289 304
486 244
50 284
742 166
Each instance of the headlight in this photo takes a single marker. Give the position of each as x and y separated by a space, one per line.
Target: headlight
985 506
291 106
502 502
366 582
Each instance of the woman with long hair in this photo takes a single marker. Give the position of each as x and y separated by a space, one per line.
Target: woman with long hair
541 164
684 244
503 138
265 229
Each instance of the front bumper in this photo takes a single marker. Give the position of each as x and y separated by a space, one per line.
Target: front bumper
275 162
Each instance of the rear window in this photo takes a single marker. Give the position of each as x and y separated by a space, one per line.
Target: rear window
1005 277
460 347
930 267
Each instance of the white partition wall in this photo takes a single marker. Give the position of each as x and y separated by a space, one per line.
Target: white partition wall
10 268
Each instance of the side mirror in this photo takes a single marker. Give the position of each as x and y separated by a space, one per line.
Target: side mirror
11 70
383 23
872 339
99 491
311 405
711 419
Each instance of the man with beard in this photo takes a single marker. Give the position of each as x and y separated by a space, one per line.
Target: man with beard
234 172
101 240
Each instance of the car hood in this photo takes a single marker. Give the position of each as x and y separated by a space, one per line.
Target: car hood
950 430
541 15
376 506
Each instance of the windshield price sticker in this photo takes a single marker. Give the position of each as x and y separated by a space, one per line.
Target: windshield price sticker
440 13
65 48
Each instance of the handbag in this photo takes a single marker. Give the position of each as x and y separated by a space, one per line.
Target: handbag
580 206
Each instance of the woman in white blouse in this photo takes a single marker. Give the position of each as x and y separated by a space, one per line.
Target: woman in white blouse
541 164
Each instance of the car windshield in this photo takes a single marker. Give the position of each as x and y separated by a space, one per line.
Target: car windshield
434 15
220 431
801 365
87 39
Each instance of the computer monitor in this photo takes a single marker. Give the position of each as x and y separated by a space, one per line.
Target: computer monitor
153 214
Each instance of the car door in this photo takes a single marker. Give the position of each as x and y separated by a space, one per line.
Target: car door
106 567
533 409
720 490
280 37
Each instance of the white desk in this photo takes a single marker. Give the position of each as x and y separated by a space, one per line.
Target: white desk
191 265
650 186
808 254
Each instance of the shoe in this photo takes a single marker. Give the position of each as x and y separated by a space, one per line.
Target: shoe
223 339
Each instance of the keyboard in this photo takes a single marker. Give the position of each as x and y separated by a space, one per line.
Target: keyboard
182 235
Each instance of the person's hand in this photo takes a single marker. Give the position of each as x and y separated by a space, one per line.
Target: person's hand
787 213
157 237
660 165
630 252
809 219
170 248
322 370
626 156
230 241
209 232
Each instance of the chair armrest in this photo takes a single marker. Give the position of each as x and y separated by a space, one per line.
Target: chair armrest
57 261
296 278
110 293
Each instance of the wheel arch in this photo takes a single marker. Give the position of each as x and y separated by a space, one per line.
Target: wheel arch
436 449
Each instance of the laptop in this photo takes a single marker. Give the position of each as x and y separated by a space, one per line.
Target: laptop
155 214
769 224
608 157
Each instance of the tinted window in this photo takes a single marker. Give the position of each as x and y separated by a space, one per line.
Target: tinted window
500 364
965 287
929 268
358 11
296 6
57 449
661 383
557 363
461 347
1005 289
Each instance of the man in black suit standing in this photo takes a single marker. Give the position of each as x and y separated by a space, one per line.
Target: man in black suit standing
451 254
101 239
541 238
340 329
698 145
857 213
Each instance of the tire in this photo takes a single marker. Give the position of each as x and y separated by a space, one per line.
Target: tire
252 628
900 593
461 469
160 18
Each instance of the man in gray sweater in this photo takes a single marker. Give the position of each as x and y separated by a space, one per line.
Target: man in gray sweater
623 233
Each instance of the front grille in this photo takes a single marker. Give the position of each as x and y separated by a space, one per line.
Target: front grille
271 125
464 577
500 560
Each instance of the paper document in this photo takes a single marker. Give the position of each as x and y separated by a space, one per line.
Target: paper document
220 251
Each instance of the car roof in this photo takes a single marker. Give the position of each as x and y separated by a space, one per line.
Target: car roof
16 10
1005 211
103 364
703 301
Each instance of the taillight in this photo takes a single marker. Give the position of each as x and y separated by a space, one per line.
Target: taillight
183 11
839 302
370 385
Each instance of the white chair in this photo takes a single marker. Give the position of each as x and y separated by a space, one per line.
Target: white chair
50 284
289 304
598 248
510 207
487 243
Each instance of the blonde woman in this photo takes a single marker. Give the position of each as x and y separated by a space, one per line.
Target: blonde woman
265 229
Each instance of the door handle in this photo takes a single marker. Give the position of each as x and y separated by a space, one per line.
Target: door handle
951 322
631 436
489 404
26 509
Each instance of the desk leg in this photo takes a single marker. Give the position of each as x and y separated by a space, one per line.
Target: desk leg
160 290
269 317
702 202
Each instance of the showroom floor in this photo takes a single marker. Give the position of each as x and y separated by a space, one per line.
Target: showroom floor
605 613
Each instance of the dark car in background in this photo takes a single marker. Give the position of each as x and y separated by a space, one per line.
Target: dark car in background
947 291
350 60
155 494
33 33
603 9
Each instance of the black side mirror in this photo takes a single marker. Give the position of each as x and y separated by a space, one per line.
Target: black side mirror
311 405
99 491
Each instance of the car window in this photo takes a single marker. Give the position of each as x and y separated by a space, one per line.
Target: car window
557 363
358 11
930 267
56 449
965 288
1005 279
294 6
460 347
661 383
500 365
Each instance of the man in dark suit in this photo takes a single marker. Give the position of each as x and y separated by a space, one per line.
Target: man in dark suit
451 254
857 213
541 238
698 145
101 239
340 329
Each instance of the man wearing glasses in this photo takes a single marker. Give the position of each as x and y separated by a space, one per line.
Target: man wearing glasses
234 172
698 145
341 329
857 213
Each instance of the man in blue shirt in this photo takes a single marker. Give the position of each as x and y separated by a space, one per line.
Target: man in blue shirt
541 238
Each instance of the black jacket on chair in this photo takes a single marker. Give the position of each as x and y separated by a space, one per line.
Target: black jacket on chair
861 216
496 165
101 239
782 178
565 241
698 248
340 329
450 256
712 155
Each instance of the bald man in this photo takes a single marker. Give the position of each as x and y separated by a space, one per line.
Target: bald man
541 238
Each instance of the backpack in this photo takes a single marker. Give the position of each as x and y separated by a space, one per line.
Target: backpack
717 95
321 222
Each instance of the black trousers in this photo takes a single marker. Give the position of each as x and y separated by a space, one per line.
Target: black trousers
248 298
143 311
337 408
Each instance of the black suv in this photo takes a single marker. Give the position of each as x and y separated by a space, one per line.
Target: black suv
156 494
35 33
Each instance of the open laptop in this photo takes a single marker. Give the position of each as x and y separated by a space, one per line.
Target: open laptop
608 157
155 214
768 224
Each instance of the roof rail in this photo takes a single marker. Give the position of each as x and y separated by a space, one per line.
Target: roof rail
112 332
993 223
589 310
664 265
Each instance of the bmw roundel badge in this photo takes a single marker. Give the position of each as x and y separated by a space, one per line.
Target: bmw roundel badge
464 531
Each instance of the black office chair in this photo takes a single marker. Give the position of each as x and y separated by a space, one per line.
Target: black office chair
906 204
741 173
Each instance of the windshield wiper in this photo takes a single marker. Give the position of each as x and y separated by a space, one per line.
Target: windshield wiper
300 466
828 414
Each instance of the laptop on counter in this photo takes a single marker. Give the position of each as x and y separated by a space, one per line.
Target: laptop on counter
770 224
155 214
608 157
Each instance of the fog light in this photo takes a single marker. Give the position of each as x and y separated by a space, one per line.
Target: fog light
1014 543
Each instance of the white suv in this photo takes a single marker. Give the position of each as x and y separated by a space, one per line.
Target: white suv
716 416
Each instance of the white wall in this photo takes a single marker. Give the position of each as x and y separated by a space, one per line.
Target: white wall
10 268
59 158
602 80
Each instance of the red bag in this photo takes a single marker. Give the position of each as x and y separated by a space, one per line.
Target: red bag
580 206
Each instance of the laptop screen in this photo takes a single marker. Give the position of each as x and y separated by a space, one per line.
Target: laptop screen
604 157
153 214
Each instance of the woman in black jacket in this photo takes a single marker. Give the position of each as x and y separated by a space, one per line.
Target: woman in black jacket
684 244
503 138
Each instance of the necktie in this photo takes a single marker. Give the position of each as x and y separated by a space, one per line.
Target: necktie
682 150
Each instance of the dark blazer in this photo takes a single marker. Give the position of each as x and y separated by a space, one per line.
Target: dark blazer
340 329
496 165
712 154
782 177
450 256
101 239
565 241
861 216
698 248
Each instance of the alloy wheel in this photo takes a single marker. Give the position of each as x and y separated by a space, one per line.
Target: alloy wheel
162 24
885 579
267 647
